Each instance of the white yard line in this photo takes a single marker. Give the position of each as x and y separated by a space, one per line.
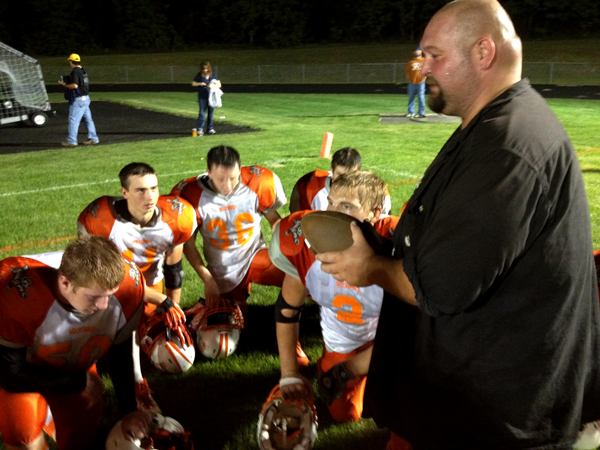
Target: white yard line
92 183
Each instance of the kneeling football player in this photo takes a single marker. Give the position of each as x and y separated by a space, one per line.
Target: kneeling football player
150 231
349 315
59 313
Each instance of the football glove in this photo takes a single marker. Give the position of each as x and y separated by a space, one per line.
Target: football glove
182 333
174 319
333 382
172 314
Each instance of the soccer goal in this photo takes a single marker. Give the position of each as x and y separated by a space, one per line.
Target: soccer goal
23 96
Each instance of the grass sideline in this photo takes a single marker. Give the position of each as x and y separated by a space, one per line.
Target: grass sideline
42 194
559 50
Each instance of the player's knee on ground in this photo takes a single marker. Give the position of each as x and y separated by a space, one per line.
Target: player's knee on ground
348 408
22 417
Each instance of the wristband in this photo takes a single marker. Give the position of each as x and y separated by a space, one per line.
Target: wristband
166 304
285 381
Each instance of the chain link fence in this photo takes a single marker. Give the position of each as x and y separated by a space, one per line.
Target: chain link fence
570 74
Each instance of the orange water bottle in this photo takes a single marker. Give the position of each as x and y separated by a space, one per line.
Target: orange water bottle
194 132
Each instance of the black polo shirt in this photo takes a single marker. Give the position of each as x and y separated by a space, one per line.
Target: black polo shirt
496 241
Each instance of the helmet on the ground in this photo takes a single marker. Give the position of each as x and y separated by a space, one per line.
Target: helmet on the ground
116 440
286 425
219 329
166 433
165 349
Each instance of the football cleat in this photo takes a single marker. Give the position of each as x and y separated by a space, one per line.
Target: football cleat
166 434
589 437
165 350
286 425
217 329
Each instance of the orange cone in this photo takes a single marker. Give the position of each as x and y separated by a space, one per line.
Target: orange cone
326 147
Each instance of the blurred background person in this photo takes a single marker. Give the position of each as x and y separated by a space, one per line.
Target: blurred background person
204 80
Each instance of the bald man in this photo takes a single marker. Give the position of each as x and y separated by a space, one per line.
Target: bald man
489 335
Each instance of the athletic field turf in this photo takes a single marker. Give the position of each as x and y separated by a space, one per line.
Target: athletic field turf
42 193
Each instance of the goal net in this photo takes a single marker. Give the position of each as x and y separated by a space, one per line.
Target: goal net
22 88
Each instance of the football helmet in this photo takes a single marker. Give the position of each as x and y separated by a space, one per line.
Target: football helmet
217 329
166 433
165 349
286 425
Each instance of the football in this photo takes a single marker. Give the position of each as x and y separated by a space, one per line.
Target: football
329 231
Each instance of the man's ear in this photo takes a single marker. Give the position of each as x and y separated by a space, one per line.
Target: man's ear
485 51
63 283
123 192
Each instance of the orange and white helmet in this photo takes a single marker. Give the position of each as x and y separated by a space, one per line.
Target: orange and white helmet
166 433
218 329
286 425
165 349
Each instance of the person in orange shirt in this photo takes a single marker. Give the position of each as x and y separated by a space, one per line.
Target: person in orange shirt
416 84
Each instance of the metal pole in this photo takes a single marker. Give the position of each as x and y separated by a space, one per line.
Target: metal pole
126 74
259 74
394 80
551 72
172 78
303 73
348 73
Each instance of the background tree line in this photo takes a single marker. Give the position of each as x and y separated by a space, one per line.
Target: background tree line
53 27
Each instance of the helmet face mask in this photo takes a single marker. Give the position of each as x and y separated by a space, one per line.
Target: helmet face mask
285 425
219 329
165 350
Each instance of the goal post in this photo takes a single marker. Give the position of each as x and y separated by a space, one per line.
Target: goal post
22 88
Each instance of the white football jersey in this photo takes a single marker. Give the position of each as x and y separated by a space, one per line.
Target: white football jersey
230 225
349 314
53 332
173 223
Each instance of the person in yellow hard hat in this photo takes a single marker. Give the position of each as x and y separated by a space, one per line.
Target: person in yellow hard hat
79 103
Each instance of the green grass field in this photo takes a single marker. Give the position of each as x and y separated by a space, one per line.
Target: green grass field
42 194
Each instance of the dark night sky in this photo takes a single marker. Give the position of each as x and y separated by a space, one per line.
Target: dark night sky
47 27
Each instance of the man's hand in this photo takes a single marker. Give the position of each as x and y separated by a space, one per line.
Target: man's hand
93 390
295 387
136 425
353 264
211 292
333 382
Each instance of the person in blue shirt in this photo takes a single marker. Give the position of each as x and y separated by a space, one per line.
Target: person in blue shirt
204 80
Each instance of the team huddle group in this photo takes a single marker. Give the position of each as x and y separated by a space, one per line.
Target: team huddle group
117 289
480 329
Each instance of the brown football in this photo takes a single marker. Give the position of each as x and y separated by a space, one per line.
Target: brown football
329 231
